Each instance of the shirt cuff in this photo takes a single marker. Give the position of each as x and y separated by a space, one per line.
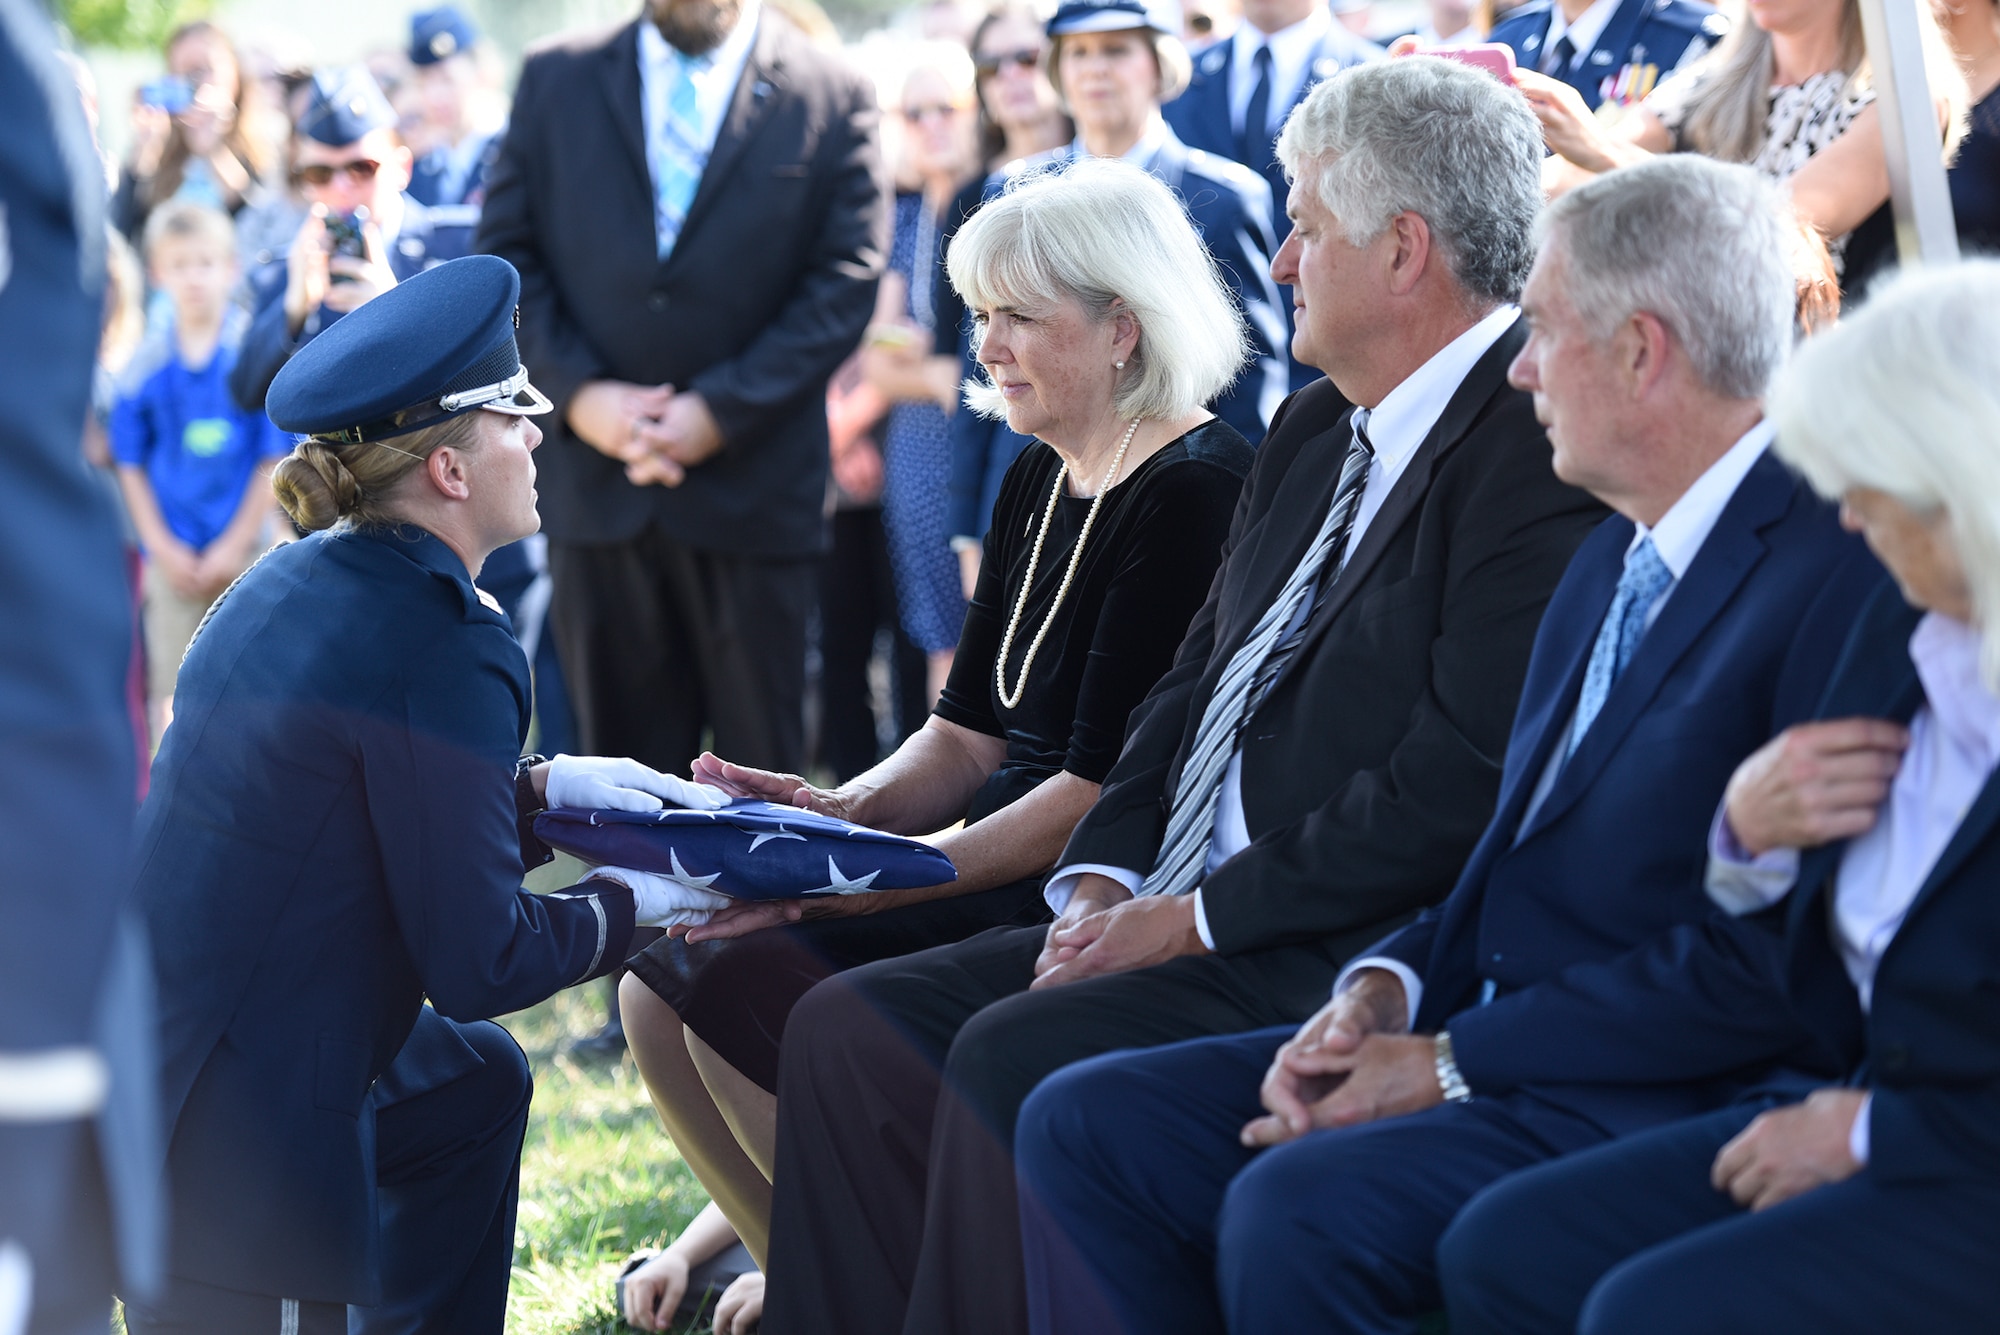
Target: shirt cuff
1739 883
1413 986
1857 1135
1201 922
1062 885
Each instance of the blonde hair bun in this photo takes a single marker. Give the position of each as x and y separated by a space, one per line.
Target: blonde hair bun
315 487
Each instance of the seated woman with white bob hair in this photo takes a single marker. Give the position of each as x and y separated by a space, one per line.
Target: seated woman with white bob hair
1103 327
1869 1205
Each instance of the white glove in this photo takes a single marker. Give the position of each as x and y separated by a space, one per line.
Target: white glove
661 901
605 783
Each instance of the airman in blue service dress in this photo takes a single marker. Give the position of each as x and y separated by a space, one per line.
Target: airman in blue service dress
1636 46
451 173
337 830
346 104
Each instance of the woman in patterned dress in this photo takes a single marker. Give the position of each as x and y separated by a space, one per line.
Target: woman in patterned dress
899 361
1788 91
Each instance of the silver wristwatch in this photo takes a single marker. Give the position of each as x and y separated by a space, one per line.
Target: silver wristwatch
1450 1083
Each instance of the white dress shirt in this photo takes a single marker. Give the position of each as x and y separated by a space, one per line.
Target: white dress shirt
1292 52
714 83
1678 539
1583 33
1954 748
1396 427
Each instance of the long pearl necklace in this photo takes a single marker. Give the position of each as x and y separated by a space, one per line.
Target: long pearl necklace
1012 699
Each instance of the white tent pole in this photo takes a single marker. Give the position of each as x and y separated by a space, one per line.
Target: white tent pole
1925 230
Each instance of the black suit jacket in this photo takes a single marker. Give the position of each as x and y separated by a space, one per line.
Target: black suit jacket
1373 765
768 287
1929 1045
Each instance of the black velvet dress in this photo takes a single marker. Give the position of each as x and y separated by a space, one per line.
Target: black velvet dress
1145 570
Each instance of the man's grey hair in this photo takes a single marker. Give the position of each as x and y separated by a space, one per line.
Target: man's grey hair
1106 234
1432 137
1704 246
1903 397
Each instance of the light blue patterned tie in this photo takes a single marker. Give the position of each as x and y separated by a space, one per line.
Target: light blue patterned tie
1248 679
679 151
1646 577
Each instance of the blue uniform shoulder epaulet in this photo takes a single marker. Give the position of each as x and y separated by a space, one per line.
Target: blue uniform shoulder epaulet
1534 14
1226 172
1690 16
453 215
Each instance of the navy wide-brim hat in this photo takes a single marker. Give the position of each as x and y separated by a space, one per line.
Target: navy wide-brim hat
1111 16
431 347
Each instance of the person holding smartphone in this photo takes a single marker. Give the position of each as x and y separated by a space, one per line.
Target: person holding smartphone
362 236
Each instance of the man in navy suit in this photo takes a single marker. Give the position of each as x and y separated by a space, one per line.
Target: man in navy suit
78 1170
1610 50
1577 984
1243 88
1870 1205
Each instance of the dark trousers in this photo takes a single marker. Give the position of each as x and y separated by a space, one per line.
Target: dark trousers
53 1207
898 1088
660 641
448 1162
1631 1238
857 603
1142 1213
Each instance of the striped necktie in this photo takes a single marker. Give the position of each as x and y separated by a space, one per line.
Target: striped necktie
1247 680
680 151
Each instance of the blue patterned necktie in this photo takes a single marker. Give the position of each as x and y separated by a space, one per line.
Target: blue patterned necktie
1646 577
679 151
1247 680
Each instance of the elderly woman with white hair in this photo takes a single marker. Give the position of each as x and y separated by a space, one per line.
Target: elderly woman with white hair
1875 833
1104 327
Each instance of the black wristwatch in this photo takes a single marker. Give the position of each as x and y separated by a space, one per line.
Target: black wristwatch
526 800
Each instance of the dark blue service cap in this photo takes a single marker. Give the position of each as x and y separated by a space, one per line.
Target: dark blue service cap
1111 16
346 104
431 347
439 34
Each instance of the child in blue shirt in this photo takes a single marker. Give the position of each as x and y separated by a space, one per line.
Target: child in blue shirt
194 467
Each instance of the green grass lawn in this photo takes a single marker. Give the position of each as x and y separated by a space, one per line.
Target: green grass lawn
599 1178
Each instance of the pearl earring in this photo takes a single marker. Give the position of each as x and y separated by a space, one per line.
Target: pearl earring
1119 365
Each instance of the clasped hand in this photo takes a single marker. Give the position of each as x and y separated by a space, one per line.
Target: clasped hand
657 432
1104 930
1352 1062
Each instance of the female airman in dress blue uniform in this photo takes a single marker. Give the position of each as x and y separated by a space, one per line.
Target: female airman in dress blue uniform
337 830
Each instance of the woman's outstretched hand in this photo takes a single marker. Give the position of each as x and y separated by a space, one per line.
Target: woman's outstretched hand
763 785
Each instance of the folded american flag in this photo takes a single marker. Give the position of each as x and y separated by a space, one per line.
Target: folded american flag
748 850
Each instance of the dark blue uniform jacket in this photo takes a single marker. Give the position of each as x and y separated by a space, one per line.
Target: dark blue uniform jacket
331 837
1929 1046
1649 37
1623 994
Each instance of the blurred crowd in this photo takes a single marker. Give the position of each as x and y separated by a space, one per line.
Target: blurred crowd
222 174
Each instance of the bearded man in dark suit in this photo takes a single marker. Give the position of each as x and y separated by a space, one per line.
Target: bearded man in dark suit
695 205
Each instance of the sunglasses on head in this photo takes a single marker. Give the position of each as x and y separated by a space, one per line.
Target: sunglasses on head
360 171
1025 59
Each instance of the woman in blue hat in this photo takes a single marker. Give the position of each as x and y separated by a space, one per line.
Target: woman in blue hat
337 831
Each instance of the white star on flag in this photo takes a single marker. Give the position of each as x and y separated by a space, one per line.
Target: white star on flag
680 874
838 884
760 840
